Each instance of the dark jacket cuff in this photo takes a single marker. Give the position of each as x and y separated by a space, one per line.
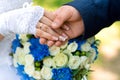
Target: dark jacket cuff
93 13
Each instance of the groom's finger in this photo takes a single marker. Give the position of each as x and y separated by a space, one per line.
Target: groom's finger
62 15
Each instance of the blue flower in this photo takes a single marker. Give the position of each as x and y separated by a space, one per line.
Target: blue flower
38 50
22 74
16 43
96 50
80 43
62 74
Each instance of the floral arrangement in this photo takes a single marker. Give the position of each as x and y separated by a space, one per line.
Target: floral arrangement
71 61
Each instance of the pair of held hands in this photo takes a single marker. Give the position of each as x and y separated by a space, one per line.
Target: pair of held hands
58 27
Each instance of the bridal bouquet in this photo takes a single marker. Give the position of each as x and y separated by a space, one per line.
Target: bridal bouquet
71 61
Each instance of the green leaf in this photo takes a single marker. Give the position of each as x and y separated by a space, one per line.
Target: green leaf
30 36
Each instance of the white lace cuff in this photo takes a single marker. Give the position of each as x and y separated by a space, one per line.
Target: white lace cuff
20 21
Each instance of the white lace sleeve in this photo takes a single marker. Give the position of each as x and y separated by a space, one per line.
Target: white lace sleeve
20 21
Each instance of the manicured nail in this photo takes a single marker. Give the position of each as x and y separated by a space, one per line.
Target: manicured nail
66 27
55 38
54 24
64 35
62 38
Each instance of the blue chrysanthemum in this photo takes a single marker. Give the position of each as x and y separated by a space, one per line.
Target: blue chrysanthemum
16 43
23 75
62 74
38 50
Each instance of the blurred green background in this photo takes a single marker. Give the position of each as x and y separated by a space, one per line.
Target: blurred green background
107 66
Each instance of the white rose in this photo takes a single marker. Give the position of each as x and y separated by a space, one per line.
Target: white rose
83 61
37 75
85 47
23 37
26 47
74 62
92 54
49 62
91 40
72 46
87 66
29 70
15 60
29 59
46 73
54 50
67 52
20 56
64 46
60 59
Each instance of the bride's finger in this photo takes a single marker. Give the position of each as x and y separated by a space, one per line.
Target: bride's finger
50 43
43 27
58 43
47 29
43 40
43 34
46 21
63 36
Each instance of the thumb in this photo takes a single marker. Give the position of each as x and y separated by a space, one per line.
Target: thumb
61 15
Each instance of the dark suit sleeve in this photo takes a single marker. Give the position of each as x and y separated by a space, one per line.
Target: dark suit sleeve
97 14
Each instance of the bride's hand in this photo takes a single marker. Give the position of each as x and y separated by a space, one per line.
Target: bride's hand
46 34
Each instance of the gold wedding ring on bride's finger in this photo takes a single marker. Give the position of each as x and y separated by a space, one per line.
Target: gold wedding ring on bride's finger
43 27
47 29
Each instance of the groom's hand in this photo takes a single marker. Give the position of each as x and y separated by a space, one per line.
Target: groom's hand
70 16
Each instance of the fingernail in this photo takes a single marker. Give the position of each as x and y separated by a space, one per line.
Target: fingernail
64 35
66 28
62 38
54 24
55 38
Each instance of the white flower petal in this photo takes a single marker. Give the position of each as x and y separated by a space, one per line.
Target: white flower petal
64 46
91 40
26 48
15 63
29 70
74 62
60 59
92 54
29 59
20 56
87 66
37 75
85 47
83 61
23 37
54 50
46 73
72 47
49 62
